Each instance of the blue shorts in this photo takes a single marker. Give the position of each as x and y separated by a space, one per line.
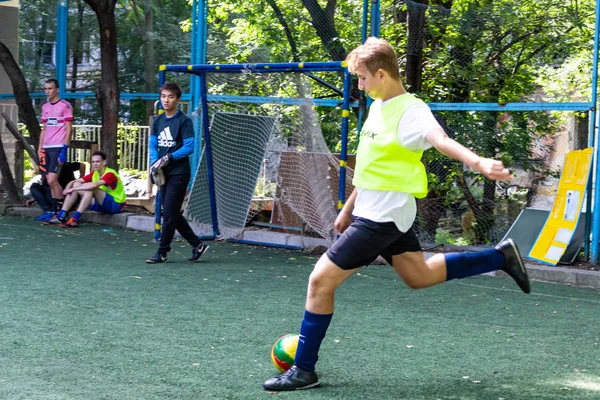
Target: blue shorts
364 240
108 206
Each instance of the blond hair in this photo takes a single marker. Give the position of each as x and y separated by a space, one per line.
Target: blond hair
374 54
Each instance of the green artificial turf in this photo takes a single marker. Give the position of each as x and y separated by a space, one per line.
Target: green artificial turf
84 317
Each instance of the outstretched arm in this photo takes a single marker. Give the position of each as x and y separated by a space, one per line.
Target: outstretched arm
490 168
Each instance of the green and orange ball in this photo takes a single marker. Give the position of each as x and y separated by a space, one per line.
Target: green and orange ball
284 351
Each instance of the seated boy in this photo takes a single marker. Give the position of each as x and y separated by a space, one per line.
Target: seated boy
101 191
41 193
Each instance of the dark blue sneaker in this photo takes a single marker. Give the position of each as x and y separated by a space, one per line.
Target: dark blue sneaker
45 216
294 378
197 252
157 258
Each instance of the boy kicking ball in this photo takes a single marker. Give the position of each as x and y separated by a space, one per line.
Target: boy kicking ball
378 217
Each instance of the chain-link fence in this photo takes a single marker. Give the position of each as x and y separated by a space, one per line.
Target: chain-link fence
463 208
535 55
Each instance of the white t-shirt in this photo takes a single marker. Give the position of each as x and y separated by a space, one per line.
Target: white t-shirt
401 208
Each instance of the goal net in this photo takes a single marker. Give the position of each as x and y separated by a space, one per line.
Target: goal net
268 154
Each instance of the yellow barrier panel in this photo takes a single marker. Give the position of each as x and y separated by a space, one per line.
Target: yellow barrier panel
560 226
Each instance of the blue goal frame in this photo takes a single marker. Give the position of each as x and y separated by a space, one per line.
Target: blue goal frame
201 70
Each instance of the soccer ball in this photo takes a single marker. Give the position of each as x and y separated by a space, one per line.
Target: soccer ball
284 351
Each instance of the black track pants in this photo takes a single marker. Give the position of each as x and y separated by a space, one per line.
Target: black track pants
172 194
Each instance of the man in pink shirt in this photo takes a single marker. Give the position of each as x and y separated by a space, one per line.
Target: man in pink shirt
57 120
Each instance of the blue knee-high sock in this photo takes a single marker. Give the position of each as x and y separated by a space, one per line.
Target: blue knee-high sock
462 265
77 215
312 333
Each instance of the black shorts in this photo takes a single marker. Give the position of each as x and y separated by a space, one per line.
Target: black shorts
49 160
364 240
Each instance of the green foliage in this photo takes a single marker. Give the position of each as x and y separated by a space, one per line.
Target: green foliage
497 52
492 51
38 34
129 140
170 44
472 51
444 237
29 169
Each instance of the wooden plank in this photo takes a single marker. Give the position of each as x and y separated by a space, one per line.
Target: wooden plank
15 132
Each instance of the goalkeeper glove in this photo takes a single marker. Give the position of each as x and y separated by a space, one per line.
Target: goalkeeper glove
156 170
160 163
158 177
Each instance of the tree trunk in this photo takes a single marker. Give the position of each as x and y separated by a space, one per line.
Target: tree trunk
286 29
8 182
462 54
26 111
414 45
582 131
322 21
432 208
485 218
107 91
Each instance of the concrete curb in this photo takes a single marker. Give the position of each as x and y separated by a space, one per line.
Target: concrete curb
538 273
566 276
119 220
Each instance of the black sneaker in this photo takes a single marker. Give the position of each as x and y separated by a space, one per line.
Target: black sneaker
157 258
294 378
55 220
197 252
513 265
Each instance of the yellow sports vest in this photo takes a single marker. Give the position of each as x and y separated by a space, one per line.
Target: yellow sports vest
118 193
382 163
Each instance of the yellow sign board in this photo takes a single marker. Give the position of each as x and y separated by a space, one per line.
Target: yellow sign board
560 226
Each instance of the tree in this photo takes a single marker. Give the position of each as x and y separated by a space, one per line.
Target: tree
37 32
324 24
289 35
107 91
8 182
26 113
149 35
143 19
491 51
459 51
